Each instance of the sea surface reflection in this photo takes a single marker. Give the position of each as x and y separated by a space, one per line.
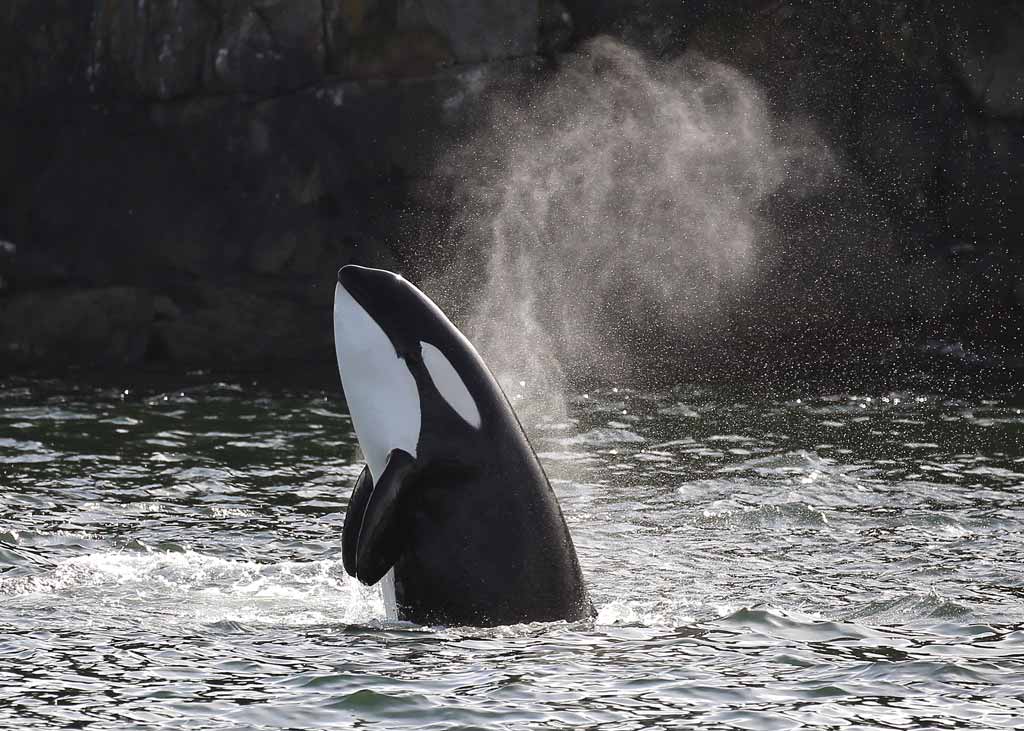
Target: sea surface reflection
820 561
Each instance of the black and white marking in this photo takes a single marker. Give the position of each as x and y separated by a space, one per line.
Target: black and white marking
453 506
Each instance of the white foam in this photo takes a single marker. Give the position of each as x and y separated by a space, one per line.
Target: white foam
633 612
602 437
193 588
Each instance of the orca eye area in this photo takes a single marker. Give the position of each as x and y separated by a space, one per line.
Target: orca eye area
450 384
412 355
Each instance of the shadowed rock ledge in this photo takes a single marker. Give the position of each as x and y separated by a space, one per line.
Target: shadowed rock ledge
208 166
181 180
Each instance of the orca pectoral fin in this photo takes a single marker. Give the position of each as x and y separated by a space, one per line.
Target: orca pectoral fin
382 533
354 519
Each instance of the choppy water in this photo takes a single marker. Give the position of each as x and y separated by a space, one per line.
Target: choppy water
829 561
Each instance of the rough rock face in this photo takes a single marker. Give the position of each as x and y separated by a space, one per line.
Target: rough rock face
266 47
173 49
982 46
150 49
123 49
924 100
221 158
208 164
104 326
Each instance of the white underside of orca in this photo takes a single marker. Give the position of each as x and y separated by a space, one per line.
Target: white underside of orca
380 390
382 397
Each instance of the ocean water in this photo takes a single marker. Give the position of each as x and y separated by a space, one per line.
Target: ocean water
170 559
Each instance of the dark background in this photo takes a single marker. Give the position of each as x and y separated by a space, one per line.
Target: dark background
179 181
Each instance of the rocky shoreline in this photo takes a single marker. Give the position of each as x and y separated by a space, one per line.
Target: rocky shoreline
181 181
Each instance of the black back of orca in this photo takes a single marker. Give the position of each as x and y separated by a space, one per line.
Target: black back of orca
468 521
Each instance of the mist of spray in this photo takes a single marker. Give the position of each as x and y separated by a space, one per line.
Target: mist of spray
619 204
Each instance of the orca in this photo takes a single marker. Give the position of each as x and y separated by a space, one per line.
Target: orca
452 505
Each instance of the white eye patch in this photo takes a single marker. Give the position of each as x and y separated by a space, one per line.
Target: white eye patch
450 385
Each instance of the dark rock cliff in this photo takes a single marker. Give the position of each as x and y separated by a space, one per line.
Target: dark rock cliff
180 180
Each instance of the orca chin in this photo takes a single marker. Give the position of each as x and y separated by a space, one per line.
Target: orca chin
453 505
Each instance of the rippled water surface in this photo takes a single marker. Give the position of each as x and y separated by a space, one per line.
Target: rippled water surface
828 561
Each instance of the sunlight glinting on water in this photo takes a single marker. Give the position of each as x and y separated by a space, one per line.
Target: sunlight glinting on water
842 560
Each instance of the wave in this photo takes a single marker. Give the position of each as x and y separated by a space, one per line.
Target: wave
870 620
602 437
766 517
197 588
909 608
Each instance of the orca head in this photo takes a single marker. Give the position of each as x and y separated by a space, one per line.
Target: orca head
385 330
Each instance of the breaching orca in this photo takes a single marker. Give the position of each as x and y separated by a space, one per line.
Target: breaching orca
452 499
